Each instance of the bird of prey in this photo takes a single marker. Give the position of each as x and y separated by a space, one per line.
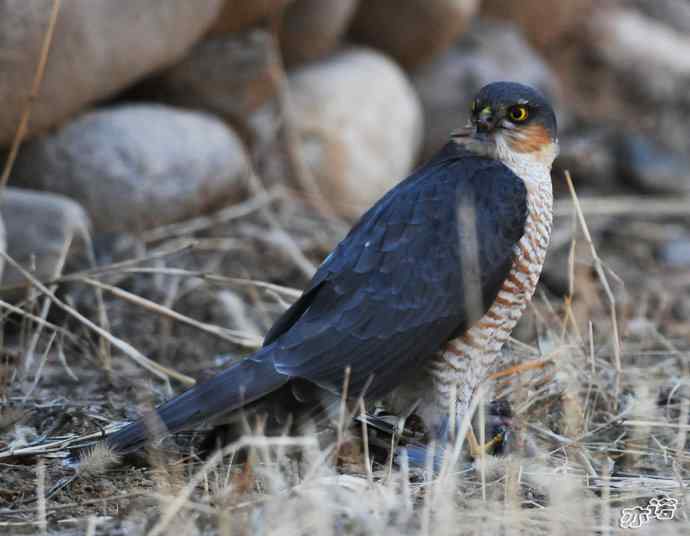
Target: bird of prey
415 303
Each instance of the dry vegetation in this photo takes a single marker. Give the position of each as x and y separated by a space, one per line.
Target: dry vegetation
589 438
601 416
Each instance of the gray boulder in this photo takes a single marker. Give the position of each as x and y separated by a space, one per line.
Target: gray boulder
414 31
650 168
312 28
550 26
38 227
98 48
231 76
359 122
239 15
138 166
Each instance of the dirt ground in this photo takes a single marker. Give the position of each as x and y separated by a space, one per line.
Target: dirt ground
598 426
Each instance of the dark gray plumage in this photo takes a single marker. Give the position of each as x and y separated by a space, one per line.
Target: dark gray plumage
388 297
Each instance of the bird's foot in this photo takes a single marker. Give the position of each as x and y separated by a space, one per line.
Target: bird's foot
478 450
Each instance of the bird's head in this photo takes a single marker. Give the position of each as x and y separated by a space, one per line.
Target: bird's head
511 122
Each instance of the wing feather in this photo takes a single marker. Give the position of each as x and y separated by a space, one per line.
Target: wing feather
394 290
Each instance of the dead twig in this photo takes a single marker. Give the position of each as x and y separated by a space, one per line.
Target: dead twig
224 215
153 367
601 273
242 339
33 95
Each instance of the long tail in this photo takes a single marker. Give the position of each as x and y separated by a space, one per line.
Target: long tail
235 387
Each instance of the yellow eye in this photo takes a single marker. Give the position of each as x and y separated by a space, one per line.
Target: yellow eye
518 113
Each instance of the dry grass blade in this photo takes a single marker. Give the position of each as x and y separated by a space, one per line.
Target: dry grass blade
452 458
598 266
300 172
183 497
342 413
659 207
41 364
286 241
247 341
639 423
28 360
153 367
259 201
33 95
74 505
41 497
365 440
188 245
52 445
37 319
218 279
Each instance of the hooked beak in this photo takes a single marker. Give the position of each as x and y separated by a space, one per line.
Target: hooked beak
480 129
478 136
485 120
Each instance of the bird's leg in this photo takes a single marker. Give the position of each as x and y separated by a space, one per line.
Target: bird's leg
431 455
446 430
486 419
442 432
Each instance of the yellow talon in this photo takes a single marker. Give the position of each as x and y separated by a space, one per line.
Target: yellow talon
476 449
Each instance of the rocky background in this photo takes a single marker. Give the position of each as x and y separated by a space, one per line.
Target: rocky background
189 163
153 112
269 126
157 111
157 118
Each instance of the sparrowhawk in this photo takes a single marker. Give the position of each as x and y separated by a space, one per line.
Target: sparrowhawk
417 300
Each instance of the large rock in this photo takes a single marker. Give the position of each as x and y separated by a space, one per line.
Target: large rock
674 13
39 226
413 31
647 86
675 252
544 23
312 28
360 124
241 14
589 154
138 166
489 52
658 64
231 76
650 168
99 47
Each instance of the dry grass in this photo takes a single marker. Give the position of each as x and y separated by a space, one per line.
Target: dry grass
601 417
590 438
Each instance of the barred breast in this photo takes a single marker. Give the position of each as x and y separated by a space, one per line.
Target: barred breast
466 360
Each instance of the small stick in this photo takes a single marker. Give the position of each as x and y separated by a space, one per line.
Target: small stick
342 413
159 370
29 354
365 440
220 332
35 87
41 497
598 266
520 368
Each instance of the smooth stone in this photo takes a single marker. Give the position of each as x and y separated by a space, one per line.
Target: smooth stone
134 167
